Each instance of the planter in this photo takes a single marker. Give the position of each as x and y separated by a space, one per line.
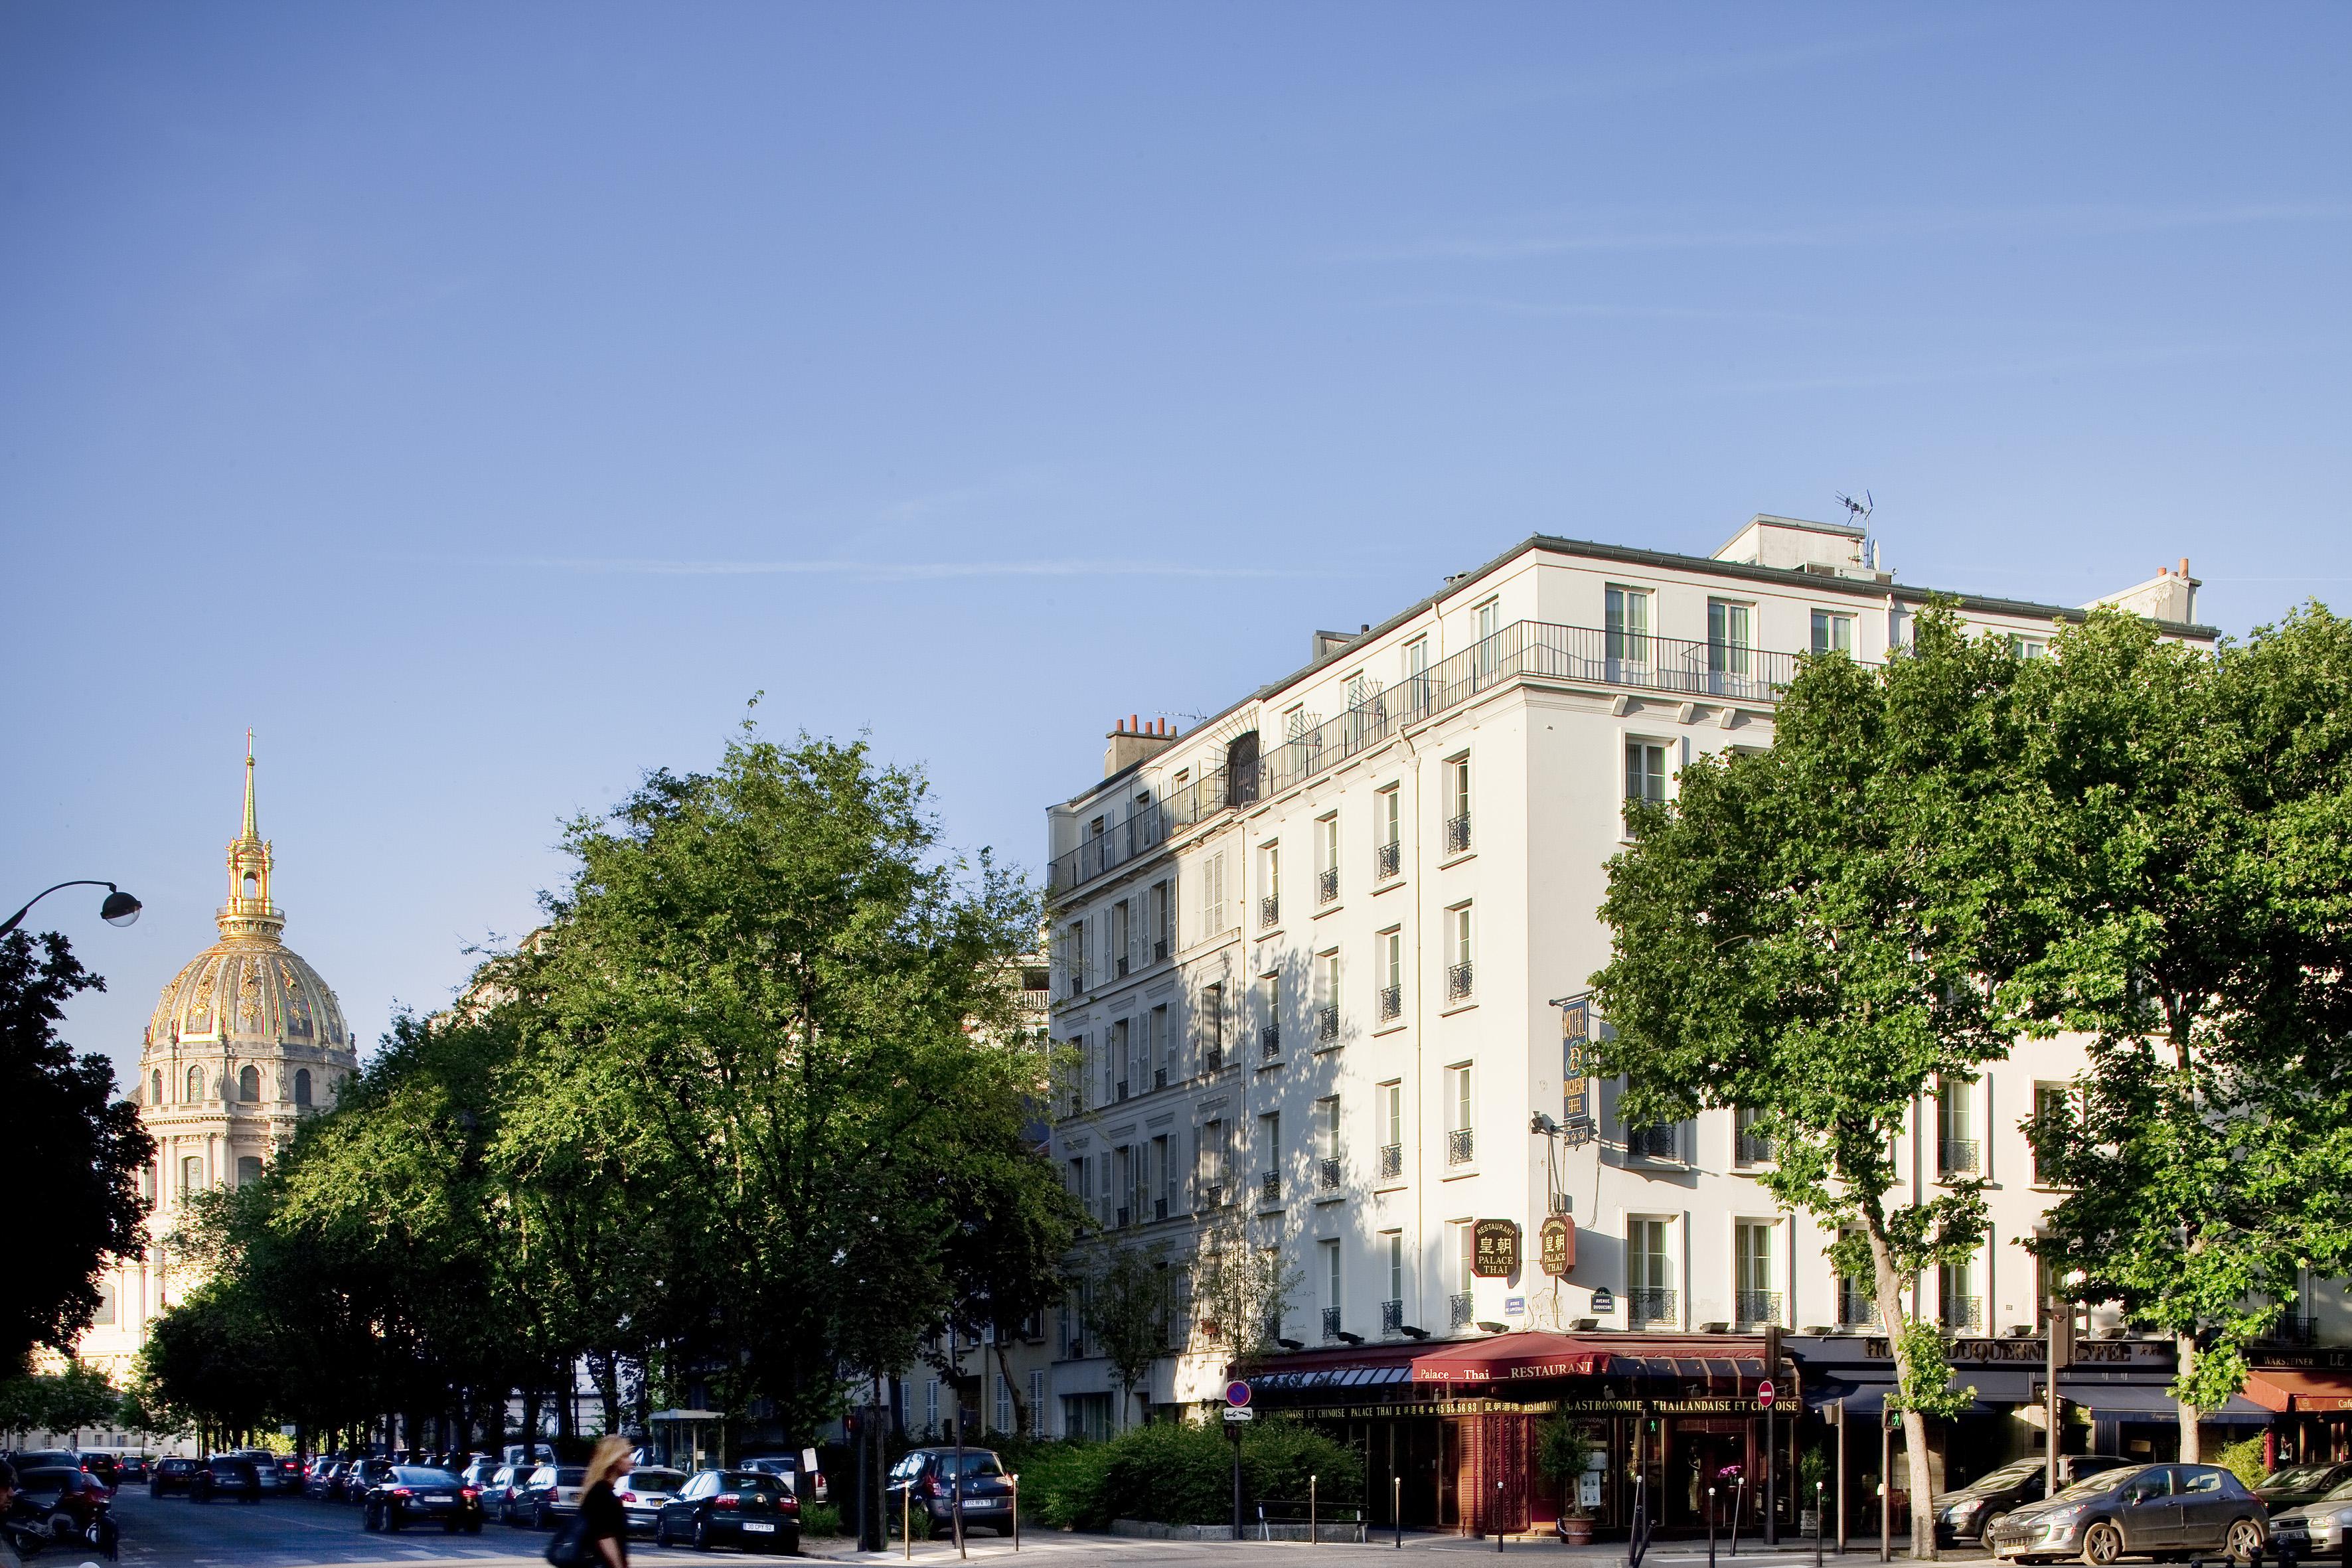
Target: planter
1809 1523
1576 1530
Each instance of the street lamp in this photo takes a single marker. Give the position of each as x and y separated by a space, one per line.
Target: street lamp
120 907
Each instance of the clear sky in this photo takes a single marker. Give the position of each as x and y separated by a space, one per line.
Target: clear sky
481 402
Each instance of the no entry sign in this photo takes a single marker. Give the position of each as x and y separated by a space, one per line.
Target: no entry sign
1764 1394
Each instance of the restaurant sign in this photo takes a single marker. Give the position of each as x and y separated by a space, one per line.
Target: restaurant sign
1575 1066
2035 1352
1494 1248
1556 1244
1596 1407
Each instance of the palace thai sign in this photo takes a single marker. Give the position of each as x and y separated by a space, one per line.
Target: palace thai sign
1494 1248
1556 1244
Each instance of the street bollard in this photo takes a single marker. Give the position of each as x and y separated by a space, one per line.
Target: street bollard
1498 1516
1396 1508
1016 1511
1738 1495
1710 1526
1817 1524
906 1520
1310 1511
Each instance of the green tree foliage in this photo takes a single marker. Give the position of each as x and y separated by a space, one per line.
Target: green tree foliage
68 1140
2189 821
1127 1309
1805 933
1240 1289
1180 1472
65 1401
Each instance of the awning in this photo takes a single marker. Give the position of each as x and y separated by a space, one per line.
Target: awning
2153 1401
2285 1389
1332 1377
1508 1358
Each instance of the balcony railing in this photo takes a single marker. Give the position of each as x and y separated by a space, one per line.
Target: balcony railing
1657 1142
1964 1313
1269 1040
2294 1332
1457 834
1120 1222
1537 650
1754 1149
1159 1077
1077 979
1392 1161
1327 884
1212 1197
1122 1088
1957 1157
1270 909
1159 1208
1458 980
1457 1310
1326 1022
1330 1324
1650 1304
1120 964
1856 1311
1270 1187
1326 1174
1757 1308
1388 860
1212 1057
1392 1318
1159 949
1391 1001
1036 1001
1459 1146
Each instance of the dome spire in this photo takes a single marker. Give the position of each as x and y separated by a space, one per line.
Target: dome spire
250 912
250 831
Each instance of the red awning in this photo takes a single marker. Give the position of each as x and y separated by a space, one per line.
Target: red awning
2294 1389
1505 1358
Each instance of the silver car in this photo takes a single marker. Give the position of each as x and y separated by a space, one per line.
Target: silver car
2310 1528
2141 1511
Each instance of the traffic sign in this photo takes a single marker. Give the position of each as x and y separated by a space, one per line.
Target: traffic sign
1764 1394
1239 1414
1237 1393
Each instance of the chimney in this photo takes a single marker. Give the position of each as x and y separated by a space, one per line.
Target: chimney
1133 740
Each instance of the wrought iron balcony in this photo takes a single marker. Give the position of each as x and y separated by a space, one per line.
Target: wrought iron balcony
1159 1208
1160 950
1754 1149
1391 1001
1212 1057
1212 1197
1962 1314
1459 1146
1141 832
1120 964
1159 1077
1120 1222
1269 1040
1457 834
1651 1304
1856 1311
1327 884
1330 1324
1270 1187
1392 1161
1757 1308
1326 1022
1392 1318
2294 1332
1957 1157
1326 1174
1458 979
1388 860
1657 1142
1122 1088
1457 1310
1270 909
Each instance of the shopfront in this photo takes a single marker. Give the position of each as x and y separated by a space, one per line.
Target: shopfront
2309 1394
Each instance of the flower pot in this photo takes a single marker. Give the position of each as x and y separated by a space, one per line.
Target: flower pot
1809 1523
1577 1530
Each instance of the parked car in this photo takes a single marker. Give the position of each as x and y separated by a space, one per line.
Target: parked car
504 1490
419 1494
2297 1483
45 1459
323 1481
2319 1526
749 1509
130 1468
644 1491
810 1488
105 1467
478 1471
171 1476
931 1473
69 1498
552 1492
227 1474
1972 1511
359 1475
269 1469
2137 1510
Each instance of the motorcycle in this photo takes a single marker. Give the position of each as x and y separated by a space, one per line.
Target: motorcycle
30 1530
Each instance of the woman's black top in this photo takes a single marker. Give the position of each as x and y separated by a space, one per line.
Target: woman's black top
601 1518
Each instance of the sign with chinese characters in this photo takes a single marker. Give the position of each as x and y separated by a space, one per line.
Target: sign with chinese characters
1575 1071
1494 1248
1556 1244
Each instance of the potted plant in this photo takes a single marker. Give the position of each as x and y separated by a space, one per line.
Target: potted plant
1813 1471
1563 1453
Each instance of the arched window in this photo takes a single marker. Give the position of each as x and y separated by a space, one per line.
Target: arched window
248 1084
301 1086
195 1084
155 1088
248 1170
192 1173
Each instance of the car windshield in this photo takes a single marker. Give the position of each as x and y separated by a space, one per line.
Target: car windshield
2009 1474
45 1481
2104 1481
422 1476
2343 1492
752 1483
2296 1478
571 1475
656 1481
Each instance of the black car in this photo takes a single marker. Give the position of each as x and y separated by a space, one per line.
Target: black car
171 1476
359 1475
930 1475
1971 1512
749 1508
417 1494
2138 1511
324 1480
2294 1485
105 1467
130 1468
222 1475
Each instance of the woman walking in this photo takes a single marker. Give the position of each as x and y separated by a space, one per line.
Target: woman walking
604 1527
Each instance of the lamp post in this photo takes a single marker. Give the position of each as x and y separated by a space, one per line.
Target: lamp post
120 907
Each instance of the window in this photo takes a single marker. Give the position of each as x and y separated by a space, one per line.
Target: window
1490 618
191 1173
1460 1124
103 1318
1327 859
1074 956
1392 1253
1729 638
2053 1106
1209 1165
1036 1404
1650 1296
195 1083
1327 1145
248 1170
1327 1000
1269 1034
1392 975
1757 1282
1161 1192
1833 632
1159 922
1957 1153
1120 939
1330 1283
1391 1104
1269 1146
931 1405
1627 635
248 1084
1269 867
155 1088
1161 1047
1120 1053
1646 772
1854 1294
1962 1307
1459 976
1460 1251
1388 841
1748 1146
1213 1027
2033 647
1457 805
1216 915
301 1086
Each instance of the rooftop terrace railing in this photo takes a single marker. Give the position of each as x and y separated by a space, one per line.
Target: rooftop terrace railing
1677 667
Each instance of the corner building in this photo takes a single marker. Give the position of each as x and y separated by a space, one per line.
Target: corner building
1309 956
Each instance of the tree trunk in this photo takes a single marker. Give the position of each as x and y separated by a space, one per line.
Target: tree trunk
1004 1371
1915 1424
2185 1346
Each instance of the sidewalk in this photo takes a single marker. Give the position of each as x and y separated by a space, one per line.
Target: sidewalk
1067 1548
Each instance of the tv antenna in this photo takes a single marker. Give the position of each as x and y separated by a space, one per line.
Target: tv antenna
1858 510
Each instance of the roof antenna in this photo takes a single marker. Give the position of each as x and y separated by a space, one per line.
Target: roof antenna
1857 510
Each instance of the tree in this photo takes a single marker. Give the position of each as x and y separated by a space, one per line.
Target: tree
70 1141
1126 1307
2187 819
65 1401
1240 1289
1804 933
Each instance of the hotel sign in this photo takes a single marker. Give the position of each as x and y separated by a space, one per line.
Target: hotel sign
1575 1066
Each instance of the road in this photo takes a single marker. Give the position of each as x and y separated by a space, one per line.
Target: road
297 1532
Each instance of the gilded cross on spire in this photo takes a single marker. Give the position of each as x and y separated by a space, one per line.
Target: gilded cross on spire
250 831
250 912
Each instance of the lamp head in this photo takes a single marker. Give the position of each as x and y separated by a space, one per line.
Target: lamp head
119 909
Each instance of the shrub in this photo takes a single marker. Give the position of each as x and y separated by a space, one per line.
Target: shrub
2244 1460
821 1518
1181 1473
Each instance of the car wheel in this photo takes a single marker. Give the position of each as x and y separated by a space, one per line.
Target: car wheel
702 1536
661 1530
1985 1530
2245 1541
372 1518
790 1544
544 1519
473 1527
2102 1543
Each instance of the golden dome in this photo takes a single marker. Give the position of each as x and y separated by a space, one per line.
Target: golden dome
250 996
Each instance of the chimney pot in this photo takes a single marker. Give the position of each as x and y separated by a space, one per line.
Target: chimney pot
2184 566
1135 724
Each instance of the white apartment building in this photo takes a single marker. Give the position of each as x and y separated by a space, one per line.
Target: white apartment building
1309 953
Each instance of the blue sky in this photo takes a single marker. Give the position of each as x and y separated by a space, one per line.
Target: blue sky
482 401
